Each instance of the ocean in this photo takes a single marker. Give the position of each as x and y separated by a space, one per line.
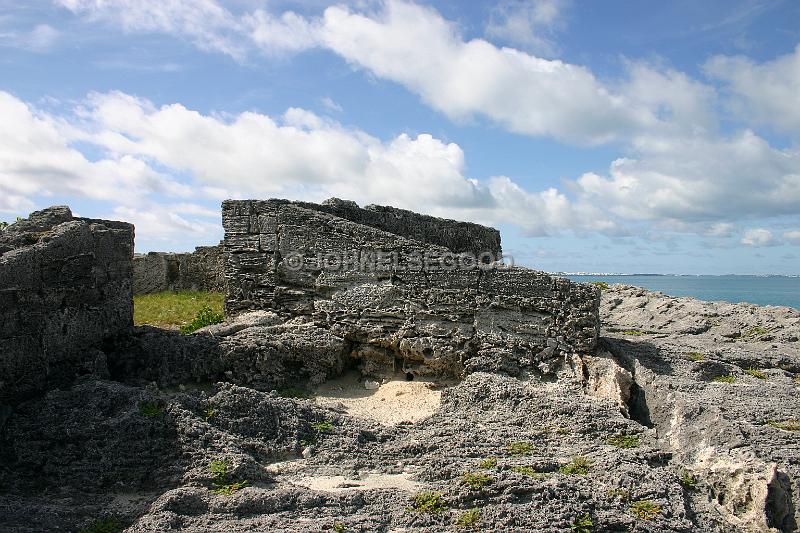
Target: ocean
761 290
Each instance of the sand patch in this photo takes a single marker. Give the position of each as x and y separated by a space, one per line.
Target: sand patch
365 482
393 402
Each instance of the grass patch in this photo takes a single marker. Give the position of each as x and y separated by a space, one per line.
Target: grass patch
338 527
205 317
429 502
222 484
602 285
578 466
730 378
687 480
151 409
486 464
520 448
754 332
469 518
323 427
633 332
788 425
695 356
624 441
173 309
476 480
646 509
104 525
582 524
756 373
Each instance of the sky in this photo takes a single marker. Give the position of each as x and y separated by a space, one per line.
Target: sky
615 136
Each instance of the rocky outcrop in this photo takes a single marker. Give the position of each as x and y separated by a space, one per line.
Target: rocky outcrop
65 287
401 304
201 270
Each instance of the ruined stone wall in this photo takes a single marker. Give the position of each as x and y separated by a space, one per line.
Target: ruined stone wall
201 270
65 286
395 313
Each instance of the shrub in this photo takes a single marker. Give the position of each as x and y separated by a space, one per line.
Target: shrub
730 378
226 489
695 356
788 425
633 332
323 427
205 317
687 480
577 466
222 484
619 494
486 464
602 285
520 448
469 518
582 524
624 441
645 509
150 409
339 527
3 225
210 413
104 525
753 332
756 373
476 480
218 469
429 502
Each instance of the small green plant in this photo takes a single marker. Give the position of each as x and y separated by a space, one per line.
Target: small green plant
222 484
209 414
339 527
486 464
577 466
619 494
753 332
476 480
602 285
429 502
323 427
3 225
730 378
527 470
520 448
469 518
582 524
104 525
624 441
150 409
633 332
687 480
756 373
205 317
646 509
788 425
695 356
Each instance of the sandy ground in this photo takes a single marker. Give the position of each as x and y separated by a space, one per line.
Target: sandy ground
395 401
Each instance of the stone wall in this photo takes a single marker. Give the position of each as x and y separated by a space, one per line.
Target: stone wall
201 270
65 287
368 287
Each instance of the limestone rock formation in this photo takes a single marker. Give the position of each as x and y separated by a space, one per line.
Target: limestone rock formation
65 287
201 270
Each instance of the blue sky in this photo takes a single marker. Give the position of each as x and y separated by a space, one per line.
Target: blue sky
598 136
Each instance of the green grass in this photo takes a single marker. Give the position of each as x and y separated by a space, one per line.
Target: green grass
486 464
323 427
688 481
219 469
529 471
469 518
222 483
205 317
578 466
429 502
339 527
226 489
754 332
756 373
695 356
582 524
645 509
520 448
633 332
476 480
602 285
104 525
730 378
171 310
624 441
150 409
788 425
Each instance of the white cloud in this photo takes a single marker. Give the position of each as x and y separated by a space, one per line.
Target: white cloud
720 229
792 236
39 39
329 104
758 237
529 24
768 93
